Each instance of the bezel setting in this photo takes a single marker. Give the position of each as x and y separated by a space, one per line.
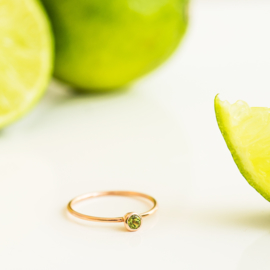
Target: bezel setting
127 217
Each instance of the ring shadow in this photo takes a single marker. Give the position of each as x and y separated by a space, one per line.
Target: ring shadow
92 225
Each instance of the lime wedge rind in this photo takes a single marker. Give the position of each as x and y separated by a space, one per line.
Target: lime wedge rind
239 153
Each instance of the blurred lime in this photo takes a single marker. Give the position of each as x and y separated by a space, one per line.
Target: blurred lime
105 44
246 131
26 57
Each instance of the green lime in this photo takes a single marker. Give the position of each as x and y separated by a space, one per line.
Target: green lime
26 57
105 44
246 131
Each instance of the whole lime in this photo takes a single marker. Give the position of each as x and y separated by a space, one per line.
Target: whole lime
105 44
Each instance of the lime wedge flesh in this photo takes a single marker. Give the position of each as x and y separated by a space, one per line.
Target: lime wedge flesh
246 131
25 57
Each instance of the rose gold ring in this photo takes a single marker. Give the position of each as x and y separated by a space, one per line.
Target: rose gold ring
132 220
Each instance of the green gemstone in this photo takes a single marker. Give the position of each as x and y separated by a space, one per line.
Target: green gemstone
134 222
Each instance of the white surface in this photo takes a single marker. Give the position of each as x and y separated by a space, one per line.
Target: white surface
159 137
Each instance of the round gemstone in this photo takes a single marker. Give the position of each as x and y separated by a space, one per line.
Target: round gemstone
134 222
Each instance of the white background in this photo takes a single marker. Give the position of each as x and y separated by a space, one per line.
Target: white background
159 137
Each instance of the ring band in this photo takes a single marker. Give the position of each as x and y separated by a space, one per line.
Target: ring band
132 220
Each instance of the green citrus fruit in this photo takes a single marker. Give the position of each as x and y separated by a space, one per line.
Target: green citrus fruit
105 44
26 57
246 131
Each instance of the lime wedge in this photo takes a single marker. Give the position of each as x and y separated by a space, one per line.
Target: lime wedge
246 131
25 57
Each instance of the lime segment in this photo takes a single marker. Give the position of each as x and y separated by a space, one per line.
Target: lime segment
25 57
246 131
